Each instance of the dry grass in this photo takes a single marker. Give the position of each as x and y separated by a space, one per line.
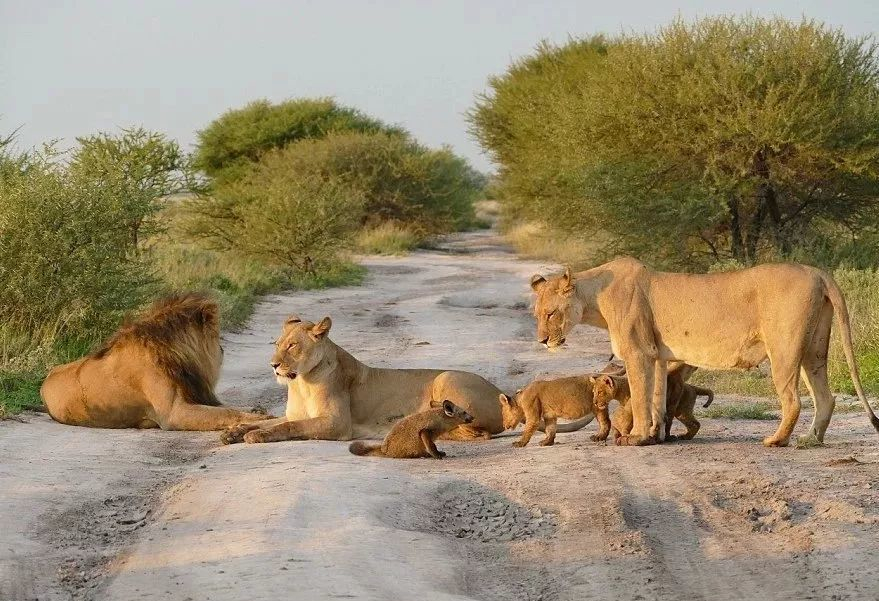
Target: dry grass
388 238
536 241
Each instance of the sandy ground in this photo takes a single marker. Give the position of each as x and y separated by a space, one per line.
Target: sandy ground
98 514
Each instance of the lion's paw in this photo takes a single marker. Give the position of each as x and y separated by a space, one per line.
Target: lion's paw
772 441
809 441
236 433
257 436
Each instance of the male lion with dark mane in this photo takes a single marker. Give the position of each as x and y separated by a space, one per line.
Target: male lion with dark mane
719 320
158 370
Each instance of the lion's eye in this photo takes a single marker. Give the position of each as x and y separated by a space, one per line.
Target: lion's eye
550 314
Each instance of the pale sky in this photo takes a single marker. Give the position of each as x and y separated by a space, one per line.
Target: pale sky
75 68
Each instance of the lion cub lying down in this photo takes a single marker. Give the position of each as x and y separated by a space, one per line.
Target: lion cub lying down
680 401
413 436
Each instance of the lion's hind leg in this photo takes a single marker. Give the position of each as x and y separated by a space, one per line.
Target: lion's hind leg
786 378
814 372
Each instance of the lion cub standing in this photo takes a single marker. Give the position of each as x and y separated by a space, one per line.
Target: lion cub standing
680 402
548 400
413 436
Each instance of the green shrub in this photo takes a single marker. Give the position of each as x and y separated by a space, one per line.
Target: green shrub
145 165
279 217
68 266
398 179
229 144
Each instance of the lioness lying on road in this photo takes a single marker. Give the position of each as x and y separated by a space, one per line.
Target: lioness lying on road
680 402
333 396
719 320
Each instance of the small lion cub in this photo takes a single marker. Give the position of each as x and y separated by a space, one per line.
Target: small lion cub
680 401
548 400
413 436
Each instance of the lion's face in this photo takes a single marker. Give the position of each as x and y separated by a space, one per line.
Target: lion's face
603 390
557 308
511 412
300 348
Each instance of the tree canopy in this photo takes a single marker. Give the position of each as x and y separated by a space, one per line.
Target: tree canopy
726 138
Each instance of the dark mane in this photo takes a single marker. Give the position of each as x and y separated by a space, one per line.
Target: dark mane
165 330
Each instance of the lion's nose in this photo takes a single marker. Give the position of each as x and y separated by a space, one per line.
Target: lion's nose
275 365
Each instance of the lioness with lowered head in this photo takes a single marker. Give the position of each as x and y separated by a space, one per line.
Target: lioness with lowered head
333 396
157 371
414 436
719 320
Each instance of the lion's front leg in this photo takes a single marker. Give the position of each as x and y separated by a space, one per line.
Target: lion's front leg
317 428
658 408
236 433
641 373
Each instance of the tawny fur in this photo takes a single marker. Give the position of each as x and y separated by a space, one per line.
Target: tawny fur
158 370
680 402
545 401
783 312
569 398
415 436
333 396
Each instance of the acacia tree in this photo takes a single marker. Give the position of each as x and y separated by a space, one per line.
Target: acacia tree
737 138
146 165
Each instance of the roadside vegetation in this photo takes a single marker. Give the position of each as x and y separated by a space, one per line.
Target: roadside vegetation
707 145
275 196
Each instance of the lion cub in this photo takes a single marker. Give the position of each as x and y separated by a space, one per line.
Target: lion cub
680 401
413 436
548 400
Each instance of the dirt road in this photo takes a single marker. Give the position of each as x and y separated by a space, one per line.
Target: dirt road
95 514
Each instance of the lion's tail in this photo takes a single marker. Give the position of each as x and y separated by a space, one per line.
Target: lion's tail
576 425
704 392
358 447
841 311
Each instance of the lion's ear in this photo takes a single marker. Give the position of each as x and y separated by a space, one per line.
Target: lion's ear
608 381
436 404
292 319
567 281
537 282
320 329
504 399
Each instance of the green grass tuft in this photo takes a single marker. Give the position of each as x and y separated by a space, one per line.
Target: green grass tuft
757 410
19 391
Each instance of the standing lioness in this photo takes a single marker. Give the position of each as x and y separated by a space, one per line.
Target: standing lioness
719 320
333 396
